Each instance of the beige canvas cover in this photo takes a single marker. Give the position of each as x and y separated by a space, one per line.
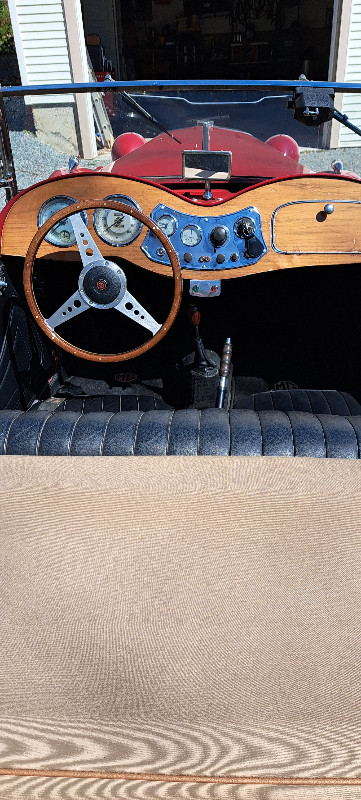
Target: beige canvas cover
180 627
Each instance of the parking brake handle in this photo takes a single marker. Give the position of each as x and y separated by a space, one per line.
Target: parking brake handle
224 373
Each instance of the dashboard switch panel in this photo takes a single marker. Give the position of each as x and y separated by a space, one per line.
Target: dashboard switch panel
205 288
211 243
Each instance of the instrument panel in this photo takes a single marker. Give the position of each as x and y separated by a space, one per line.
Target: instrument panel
277 225
218 243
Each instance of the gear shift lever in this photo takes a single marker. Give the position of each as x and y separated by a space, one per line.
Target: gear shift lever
202 363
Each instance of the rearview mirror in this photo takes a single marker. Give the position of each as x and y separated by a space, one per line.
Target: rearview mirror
206 165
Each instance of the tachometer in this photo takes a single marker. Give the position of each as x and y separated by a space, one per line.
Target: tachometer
61 234
113 226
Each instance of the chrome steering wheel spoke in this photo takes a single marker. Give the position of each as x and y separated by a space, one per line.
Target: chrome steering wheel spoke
70 309
88 250
135 311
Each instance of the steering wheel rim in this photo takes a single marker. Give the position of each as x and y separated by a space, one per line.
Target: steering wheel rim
38 315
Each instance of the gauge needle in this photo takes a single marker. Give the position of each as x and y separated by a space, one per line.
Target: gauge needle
117 224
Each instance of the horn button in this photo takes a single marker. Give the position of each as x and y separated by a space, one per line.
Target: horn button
102 284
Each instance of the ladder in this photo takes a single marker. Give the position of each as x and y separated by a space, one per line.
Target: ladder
99 112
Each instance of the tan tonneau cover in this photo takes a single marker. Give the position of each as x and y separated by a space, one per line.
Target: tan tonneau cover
180 627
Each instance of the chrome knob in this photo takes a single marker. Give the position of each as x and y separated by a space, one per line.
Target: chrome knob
337 166
74 161
329 208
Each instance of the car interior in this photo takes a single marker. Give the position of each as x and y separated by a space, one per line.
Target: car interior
181 628
288 306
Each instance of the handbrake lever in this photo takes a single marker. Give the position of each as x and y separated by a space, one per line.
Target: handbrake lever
224 373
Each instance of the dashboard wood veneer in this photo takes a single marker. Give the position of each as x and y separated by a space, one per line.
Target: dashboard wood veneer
304 227
291 211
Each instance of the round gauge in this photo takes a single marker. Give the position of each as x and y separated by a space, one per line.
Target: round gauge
61 234
113 226
167 224
191 235
245 227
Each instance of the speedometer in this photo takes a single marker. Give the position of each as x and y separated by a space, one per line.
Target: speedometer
115 227
61 234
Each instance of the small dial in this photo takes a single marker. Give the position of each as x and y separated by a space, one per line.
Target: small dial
167 224
115 227
191 235
61 234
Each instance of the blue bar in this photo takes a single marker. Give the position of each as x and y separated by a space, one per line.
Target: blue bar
135 87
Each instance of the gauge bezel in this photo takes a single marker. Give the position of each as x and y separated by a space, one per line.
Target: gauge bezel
118 198
235 226
193 226
47 203
171 217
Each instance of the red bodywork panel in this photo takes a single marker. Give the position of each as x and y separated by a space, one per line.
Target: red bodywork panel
161 157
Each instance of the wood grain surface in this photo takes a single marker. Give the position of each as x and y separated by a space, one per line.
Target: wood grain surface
40 788
300 226
304 227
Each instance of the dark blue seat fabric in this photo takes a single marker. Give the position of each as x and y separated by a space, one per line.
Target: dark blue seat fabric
240 432
315 401
84 404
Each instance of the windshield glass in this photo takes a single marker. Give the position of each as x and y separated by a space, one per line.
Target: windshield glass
47 130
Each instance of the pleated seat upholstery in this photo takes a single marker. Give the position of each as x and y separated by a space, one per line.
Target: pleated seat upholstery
240 432
314 401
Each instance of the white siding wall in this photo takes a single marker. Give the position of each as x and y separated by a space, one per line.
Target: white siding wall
41 45
351 104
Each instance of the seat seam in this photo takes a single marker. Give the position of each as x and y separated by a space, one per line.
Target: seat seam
199 430
293 438
136 431
324 394
347 405
169 427
72 433
356 437
323 434
18 404
309 400
9 429
104 435
40 433
260 430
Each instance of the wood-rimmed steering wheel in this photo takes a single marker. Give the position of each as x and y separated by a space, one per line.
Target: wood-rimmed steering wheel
102 283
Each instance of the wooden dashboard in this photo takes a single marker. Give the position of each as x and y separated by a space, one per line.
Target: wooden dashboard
296 230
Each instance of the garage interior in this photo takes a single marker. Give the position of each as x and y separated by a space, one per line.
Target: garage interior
188 39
